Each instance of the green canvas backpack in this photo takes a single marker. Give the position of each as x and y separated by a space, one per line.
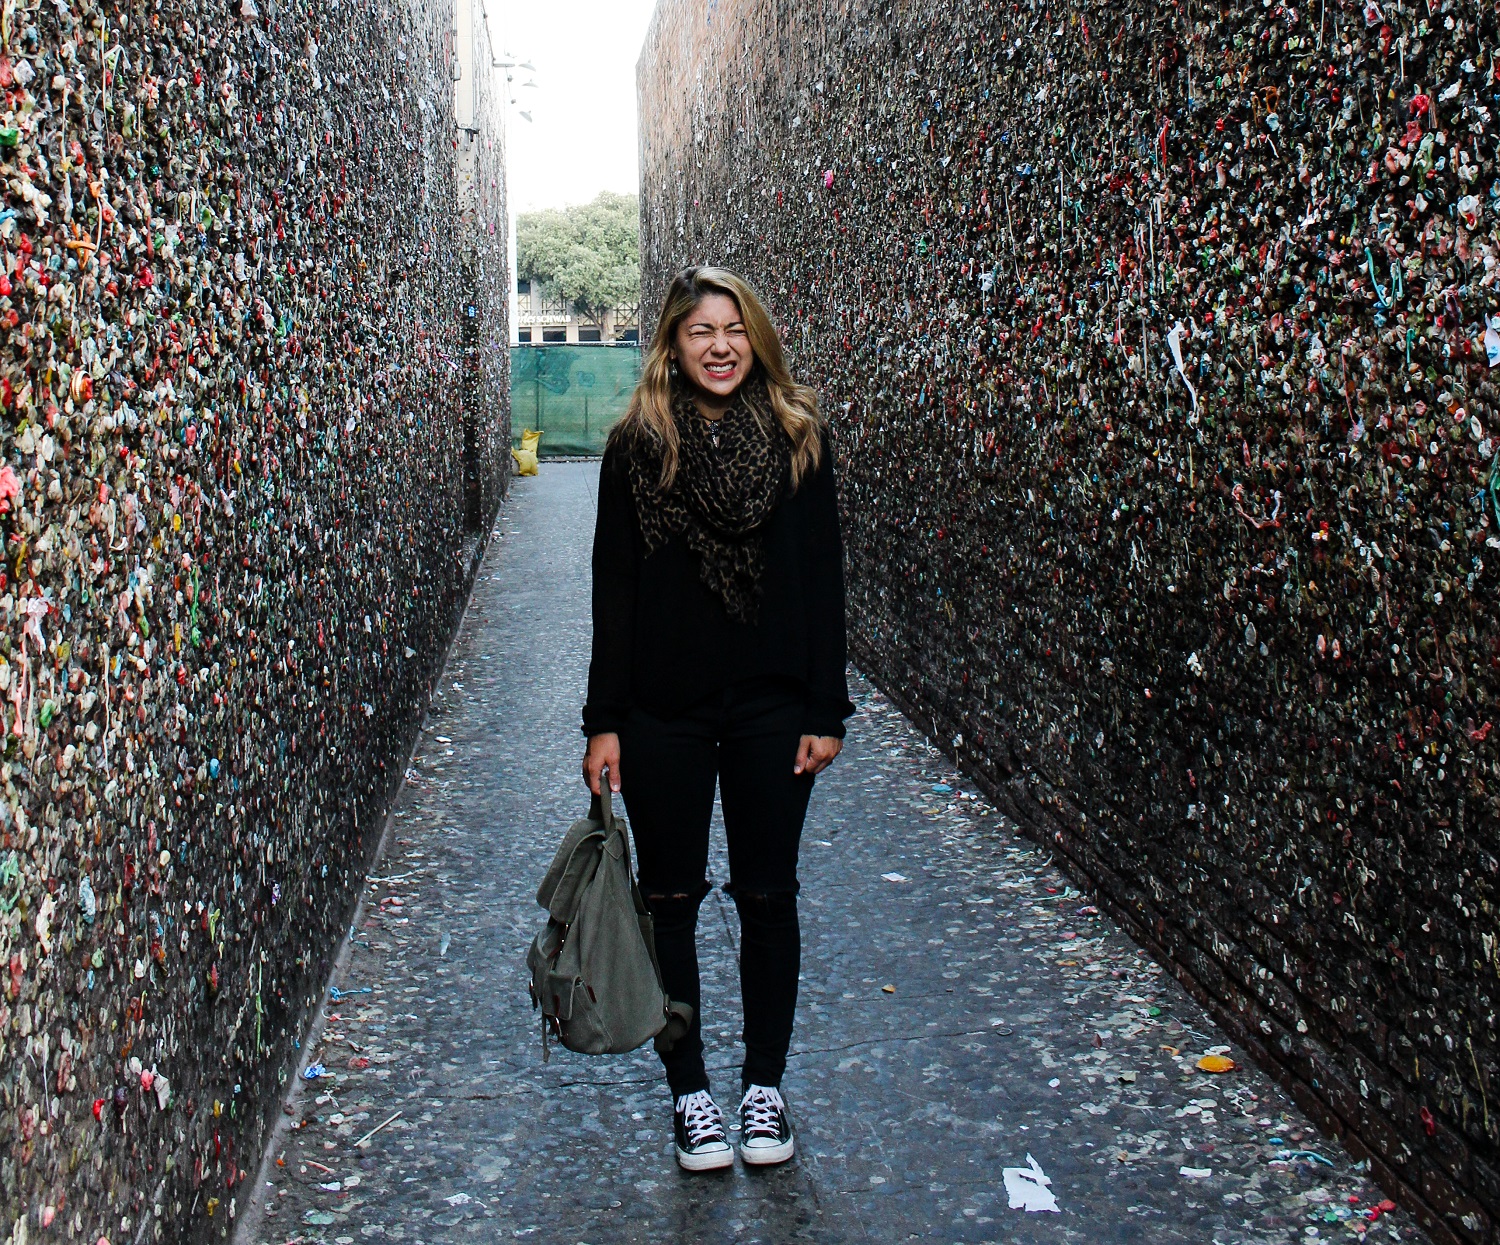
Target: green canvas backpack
593 967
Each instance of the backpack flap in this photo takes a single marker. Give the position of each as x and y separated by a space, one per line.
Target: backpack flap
573 866
572 870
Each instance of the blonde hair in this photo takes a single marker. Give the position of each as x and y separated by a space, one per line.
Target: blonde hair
649 415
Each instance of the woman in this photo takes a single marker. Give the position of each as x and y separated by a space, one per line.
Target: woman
719 655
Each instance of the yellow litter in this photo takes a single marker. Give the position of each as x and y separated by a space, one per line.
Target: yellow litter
1216 1063
526 460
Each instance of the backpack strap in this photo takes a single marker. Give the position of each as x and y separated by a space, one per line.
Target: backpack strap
679 1015
679 1021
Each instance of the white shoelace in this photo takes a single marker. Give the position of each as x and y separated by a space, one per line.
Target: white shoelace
759 1111
701 1118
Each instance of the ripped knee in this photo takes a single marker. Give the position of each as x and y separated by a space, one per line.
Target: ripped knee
767 906
675 907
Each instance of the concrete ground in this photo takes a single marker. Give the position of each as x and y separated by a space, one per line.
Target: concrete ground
962 1009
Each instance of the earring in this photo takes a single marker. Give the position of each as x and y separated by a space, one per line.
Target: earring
673 369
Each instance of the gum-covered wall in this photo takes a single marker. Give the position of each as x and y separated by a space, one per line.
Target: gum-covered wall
251 440
1155 343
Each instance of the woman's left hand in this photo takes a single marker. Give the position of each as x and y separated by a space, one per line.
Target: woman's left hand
815 753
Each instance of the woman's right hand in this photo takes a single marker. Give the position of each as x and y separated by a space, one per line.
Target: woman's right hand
603 753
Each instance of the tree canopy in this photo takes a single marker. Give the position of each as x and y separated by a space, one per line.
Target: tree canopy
590 255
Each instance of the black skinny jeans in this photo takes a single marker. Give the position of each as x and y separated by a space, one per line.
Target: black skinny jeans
746 737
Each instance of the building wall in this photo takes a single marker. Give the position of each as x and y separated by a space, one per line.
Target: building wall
483 241
237 537
1232 650
538 311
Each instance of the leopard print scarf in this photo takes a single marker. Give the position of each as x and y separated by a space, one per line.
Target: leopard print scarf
730 477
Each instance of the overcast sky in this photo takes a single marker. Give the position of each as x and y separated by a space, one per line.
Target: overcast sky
581 138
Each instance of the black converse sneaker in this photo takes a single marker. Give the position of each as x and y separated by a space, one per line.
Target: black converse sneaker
765 1130
699 1125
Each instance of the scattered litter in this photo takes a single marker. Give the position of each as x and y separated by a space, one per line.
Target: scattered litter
1303 1156
313 1071
1216 1064
366 1138
1029 1187
1115 999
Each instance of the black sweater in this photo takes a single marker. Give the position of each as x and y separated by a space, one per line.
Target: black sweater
663 640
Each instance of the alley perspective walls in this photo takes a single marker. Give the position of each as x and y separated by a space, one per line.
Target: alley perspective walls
1157 342
251 440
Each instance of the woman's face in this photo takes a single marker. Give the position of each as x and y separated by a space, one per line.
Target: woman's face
711 347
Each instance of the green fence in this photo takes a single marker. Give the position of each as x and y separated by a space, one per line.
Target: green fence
574 394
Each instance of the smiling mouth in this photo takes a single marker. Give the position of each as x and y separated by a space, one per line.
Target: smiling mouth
720 371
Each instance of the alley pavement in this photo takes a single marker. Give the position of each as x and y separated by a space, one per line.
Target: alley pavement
963 1010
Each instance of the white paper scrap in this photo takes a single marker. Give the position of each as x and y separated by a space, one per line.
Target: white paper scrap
1028 1188
1196 1173
1174 343
895 877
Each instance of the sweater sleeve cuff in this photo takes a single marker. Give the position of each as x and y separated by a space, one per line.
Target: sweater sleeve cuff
826 721
603 719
